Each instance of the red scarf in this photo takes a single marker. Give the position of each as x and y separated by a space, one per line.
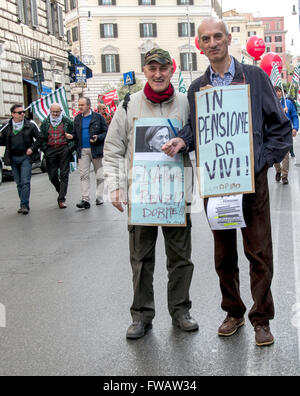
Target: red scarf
158 97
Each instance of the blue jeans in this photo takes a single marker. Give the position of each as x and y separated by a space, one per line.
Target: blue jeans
21 168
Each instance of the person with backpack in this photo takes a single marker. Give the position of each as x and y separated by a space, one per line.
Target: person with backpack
282 169
157 100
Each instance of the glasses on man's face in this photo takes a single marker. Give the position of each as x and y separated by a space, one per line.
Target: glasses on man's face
55 112
19 112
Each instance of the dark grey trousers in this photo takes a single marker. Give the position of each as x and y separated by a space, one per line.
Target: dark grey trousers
142 241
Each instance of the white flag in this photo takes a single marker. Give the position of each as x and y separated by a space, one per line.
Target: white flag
41 107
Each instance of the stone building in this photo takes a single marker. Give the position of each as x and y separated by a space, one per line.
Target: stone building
112 36
242 27
31 30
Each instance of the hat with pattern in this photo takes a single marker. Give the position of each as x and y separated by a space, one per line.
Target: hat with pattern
157 55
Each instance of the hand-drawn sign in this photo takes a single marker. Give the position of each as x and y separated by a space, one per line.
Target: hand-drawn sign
224 141
157 189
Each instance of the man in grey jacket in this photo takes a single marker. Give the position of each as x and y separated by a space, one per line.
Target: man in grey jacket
272 139
157 100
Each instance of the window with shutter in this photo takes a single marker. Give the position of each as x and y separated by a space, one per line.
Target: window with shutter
21 11
61 31
49 17
34 13
110 63
142 61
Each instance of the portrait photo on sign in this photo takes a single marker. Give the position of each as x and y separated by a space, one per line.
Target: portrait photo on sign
150 139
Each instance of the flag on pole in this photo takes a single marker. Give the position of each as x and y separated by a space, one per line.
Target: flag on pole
275 76
181 83
110 96
296 75
41 107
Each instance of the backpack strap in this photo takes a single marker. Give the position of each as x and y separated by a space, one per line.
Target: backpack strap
126 101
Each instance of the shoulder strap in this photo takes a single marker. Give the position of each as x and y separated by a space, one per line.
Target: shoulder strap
126 101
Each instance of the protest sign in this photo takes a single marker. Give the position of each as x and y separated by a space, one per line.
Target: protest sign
224 141
156 182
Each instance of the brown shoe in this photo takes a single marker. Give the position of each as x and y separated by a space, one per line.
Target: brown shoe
285 180
263 335
62 205
230 326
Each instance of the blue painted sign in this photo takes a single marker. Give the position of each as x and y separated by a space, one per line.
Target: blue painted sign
80 74
157 188
224 141
129 78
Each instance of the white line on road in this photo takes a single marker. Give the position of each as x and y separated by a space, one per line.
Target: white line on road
296 246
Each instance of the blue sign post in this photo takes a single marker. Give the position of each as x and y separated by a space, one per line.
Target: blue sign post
129 78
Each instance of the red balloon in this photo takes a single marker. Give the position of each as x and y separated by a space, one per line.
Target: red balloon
268 61
174 64
256 47
197 45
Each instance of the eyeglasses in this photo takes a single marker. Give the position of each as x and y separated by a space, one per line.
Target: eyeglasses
19 112
55 112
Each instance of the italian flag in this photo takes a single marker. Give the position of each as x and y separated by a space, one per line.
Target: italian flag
41 107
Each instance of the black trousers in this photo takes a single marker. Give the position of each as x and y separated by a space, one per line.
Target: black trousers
257 241
179 265
58 168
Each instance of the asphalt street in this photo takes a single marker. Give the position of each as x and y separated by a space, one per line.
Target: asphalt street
65 293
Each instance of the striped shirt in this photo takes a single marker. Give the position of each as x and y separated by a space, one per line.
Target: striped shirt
218 81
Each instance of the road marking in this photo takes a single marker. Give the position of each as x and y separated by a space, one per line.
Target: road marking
296 247
2 315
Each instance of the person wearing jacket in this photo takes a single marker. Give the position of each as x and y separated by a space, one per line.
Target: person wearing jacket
22 139
282 170
89 133
56 130
272 139
157 100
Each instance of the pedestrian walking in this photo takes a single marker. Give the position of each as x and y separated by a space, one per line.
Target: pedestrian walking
157 100
282 170
272 139
102 109
58 146
89 133
22 139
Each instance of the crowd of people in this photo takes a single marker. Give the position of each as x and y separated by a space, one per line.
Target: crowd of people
107 144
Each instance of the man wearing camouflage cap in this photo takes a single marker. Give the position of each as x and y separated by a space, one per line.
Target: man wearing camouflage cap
157 100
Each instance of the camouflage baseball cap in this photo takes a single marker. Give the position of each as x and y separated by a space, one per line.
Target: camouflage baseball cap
158 55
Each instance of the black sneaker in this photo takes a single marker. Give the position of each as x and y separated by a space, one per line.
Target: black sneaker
137 330
99 201
83 205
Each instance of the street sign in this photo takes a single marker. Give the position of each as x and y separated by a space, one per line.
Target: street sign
129 78
80 74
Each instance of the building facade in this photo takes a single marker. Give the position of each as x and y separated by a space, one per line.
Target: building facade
31 30
275 39
112 38
242 27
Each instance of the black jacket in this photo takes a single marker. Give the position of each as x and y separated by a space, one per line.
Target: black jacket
97 127
31 136
272 132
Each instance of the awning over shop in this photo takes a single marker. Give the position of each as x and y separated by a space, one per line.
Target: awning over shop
77 62
46 90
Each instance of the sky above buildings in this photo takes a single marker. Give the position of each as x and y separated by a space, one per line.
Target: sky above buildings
269 8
